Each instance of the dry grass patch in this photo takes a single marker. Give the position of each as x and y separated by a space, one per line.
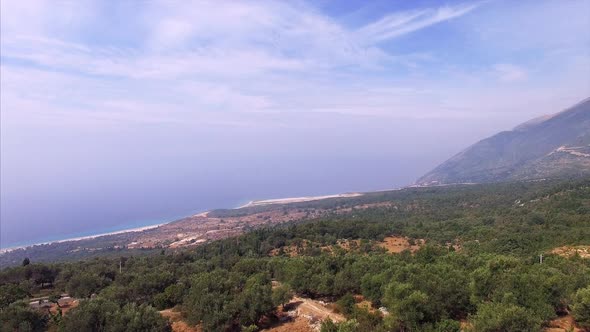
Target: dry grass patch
563 324
570 251
177 322
397 244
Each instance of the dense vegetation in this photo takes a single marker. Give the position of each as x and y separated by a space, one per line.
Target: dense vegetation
493 280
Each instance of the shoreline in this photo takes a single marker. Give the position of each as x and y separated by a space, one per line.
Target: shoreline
295 199
86 237
253 203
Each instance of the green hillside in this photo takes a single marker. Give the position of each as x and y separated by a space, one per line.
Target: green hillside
477 265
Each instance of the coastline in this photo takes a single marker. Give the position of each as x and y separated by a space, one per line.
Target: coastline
87 237
296 199
286 200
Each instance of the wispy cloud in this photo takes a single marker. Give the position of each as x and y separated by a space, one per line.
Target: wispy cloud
205 58
398 24
233 39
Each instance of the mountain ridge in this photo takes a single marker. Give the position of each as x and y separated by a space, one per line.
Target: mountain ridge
555 145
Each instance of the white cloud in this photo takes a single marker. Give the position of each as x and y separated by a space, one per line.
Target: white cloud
193 61
229 39
398 24
509 72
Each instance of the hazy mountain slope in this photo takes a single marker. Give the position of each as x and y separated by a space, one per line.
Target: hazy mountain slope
555 146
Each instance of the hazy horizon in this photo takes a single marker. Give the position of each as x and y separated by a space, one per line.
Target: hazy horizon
117 114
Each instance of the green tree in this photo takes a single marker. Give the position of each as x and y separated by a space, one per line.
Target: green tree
171 296
100 315
409 306
20 317
211 300
90 316
10 293
256 299
581 307
281 295
502 317
133 318
83 285
346 304
347 326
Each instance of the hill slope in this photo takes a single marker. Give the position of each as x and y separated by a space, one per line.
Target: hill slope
547 147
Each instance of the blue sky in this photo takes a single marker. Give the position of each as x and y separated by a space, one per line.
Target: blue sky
102 100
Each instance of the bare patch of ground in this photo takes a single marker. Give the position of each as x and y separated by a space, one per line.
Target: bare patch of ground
304 315
202 228
178 324
563 324
465 325
397 244
315 310
297 324
570 251
64 307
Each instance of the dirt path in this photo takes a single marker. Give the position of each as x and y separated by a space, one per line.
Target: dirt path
315 309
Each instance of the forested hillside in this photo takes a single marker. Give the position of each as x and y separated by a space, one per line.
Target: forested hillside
474 264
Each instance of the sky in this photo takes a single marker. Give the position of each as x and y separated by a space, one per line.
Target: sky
118 113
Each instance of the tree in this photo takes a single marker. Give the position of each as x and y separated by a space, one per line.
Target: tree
328 326
581 307
90 315
409 306
171 296
137 318
500 317
10 293
101 315
256 299
54 298
346 304
20 317
83 285
447 325
210 300
281 295
26 261
347 326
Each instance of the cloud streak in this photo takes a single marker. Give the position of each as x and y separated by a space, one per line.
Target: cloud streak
398 24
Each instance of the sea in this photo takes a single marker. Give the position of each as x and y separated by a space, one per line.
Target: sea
72 211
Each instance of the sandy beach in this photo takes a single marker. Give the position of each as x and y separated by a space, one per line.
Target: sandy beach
296 199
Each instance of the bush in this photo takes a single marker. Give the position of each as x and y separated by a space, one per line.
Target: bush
346 304
138 318
499 317
10 293
100 315
581 307
20 317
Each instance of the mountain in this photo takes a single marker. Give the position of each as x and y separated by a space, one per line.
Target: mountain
547 147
